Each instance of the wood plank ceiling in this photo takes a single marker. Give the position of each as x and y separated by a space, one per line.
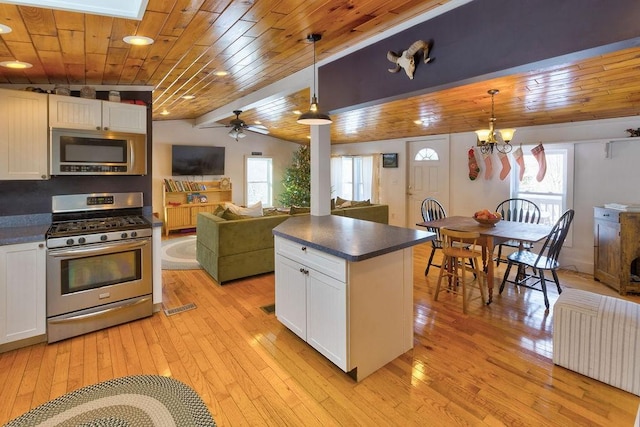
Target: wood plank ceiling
259 42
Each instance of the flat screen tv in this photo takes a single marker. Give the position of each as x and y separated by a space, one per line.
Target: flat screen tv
197 160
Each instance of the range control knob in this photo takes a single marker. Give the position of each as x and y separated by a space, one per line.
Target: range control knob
82 240
134 234
124 235
103 237
69 241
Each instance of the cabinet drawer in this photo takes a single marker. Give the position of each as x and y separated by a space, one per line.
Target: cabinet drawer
320 261
606 214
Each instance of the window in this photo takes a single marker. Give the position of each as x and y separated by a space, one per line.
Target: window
426 154
354 177
554 194
259 172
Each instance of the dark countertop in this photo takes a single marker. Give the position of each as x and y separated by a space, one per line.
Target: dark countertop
349 238
32 228
23 228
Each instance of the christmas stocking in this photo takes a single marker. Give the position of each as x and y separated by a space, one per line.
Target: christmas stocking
538 153
474 170
488 167
520 161
506 167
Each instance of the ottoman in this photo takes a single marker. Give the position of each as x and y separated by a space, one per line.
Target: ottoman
598 336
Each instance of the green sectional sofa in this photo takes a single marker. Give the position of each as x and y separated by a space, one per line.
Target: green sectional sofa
232 249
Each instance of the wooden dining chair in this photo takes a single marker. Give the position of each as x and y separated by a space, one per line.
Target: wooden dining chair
431 211
458 248
545 260
517 210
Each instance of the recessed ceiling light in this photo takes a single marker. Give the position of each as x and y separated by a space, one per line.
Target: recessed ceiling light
4 29
16 65
297 112
164 112
138 40
418 122
221 73
257 122
188 97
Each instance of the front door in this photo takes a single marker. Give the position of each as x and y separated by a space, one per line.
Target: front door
428 175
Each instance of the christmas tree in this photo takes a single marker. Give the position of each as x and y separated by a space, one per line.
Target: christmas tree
297 180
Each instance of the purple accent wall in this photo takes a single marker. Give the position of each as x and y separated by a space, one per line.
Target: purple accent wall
480 40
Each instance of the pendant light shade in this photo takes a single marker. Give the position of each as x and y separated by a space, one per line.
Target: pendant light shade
314 116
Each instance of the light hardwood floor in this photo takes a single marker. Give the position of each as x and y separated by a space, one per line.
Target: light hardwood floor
490 367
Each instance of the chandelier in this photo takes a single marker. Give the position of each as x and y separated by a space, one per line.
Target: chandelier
314 116
488 139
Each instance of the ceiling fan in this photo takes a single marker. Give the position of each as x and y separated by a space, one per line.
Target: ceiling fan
238 126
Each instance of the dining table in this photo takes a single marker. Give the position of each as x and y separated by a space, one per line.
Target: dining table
491 236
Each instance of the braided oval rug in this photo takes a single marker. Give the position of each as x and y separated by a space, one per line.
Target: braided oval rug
139 400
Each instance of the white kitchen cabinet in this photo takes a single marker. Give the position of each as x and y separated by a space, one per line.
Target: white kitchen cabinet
22 291
357 314
70 112
312 304
24 143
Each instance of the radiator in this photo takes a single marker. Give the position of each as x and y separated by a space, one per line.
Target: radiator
598 336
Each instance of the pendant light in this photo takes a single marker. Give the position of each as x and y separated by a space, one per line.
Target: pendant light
314 116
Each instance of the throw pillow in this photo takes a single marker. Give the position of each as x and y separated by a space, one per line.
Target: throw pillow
272 212
342 203
229 215
361 203
299 210
333 204
254 210
219 211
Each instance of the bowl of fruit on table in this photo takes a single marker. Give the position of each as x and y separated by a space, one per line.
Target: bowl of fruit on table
487 218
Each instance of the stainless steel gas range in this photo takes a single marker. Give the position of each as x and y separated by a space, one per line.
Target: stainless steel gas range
98 263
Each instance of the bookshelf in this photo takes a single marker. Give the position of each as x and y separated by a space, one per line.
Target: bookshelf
184 200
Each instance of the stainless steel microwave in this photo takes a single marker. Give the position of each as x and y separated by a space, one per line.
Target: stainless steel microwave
80 152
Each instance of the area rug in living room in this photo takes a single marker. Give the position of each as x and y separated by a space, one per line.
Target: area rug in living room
138 400
179 254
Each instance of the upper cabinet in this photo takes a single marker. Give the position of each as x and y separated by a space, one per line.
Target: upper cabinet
91 114
23 135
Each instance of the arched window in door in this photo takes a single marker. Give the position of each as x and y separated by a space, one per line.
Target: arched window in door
426 155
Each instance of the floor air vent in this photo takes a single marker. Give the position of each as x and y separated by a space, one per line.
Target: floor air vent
176 310
269 309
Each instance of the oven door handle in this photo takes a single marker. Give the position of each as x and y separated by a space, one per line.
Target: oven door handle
99 313
63 253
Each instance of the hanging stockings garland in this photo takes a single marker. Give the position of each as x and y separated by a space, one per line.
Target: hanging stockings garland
488 167
519 156
474 170
538 153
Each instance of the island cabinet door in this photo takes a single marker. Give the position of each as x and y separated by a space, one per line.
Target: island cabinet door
291 294
327 317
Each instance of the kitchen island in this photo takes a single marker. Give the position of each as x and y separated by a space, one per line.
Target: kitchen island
345 286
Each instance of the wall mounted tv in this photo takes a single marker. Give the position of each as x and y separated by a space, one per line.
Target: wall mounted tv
197 160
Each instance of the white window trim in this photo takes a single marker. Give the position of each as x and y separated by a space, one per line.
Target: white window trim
569 175
246 179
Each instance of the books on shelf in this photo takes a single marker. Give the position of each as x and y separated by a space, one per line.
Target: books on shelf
627 207
171 185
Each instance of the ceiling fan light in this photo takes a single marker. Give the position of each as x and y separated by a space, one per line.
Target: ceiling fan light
236 134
